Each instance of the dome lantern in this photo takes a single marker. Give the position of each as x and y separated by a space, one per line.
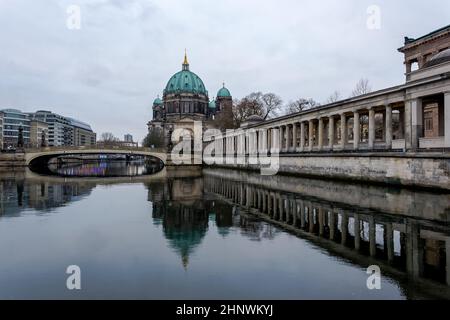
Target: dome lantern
185 62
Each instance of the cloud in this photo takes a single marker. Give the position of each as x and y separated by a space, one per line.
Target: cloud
109 72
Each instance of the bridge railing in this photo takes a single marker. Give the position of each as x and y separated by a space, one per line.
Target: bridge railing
95 148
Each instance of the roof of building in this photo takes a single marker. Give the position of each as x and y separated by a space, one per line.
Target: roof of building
185 81
411 41
255 117
79 124
212 104
439 58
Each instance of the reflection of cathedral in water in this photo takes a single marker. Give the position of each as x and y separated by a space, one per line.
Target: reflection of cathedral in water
18 195
184 211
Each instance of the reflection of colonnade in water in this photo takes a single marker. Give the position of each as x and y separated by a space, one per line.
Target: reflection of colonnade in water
421 248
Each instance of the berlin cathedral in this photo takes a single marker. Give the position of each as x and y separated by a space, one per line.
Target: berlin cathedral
185 100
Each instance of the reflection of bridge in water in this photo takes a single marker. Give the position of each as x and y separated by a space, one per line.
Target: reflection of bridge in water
414 249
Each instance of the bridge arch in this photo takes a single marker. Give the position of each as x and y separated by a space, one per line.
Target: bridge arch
42 156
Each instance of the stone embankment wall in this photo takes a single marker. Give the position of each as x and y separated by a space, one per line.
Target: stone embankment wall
418 170
11 160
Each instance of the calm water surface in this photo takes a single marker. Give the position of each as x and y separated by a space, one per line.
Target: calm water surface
219 234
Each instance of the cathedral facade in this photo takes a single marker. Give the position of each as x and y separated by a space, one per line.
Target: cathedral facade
184 101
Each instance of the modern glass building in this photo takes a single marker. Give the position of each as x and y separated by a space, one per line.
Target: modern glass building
65 131
13 121
59 128
82 134
61 131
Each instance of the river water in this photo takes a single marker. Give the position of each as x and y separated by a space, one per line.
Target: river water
217 234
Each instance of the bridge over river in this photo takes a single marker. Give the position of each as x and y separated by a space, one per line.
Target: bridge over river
43 155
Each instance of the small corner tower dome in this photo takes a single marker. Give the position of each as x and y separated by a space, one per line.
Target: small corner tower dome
212 104
223 92
157 102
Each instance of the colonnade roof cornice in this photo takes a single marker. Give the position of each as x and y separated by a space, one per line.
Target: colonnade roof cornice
372 101
347 103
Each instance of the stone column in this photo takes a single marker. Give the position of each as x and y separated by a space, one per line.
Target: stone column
269 204
320 134
421 61
302 136
414 251
264 201
389 238
357 228
388 127
372 237
356 130
274 140
416 122
332 224
302 215
408 66
265 142
274 207
294 213
344 131
407 125
288 138
447 119
294 137
311 140
344 227
320 216
280 207
281 138
371 128
447 259
331 132
311 218
249 142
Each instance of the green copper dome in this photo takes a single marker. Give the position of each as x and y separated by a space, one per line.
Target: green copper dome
185 81
157 102
212 104
224 93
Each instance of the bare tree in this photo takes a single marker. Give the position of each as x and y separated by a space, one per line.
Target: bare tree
362 87
154 139
108 137
335 96
264 105
301 105
246 107
271 103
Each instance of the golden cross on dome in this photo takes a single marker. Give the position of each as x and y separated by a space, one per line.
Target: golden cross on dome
185 57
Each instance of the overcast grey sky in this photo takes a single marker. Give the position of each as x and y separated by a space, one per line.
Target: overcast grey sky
109 72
